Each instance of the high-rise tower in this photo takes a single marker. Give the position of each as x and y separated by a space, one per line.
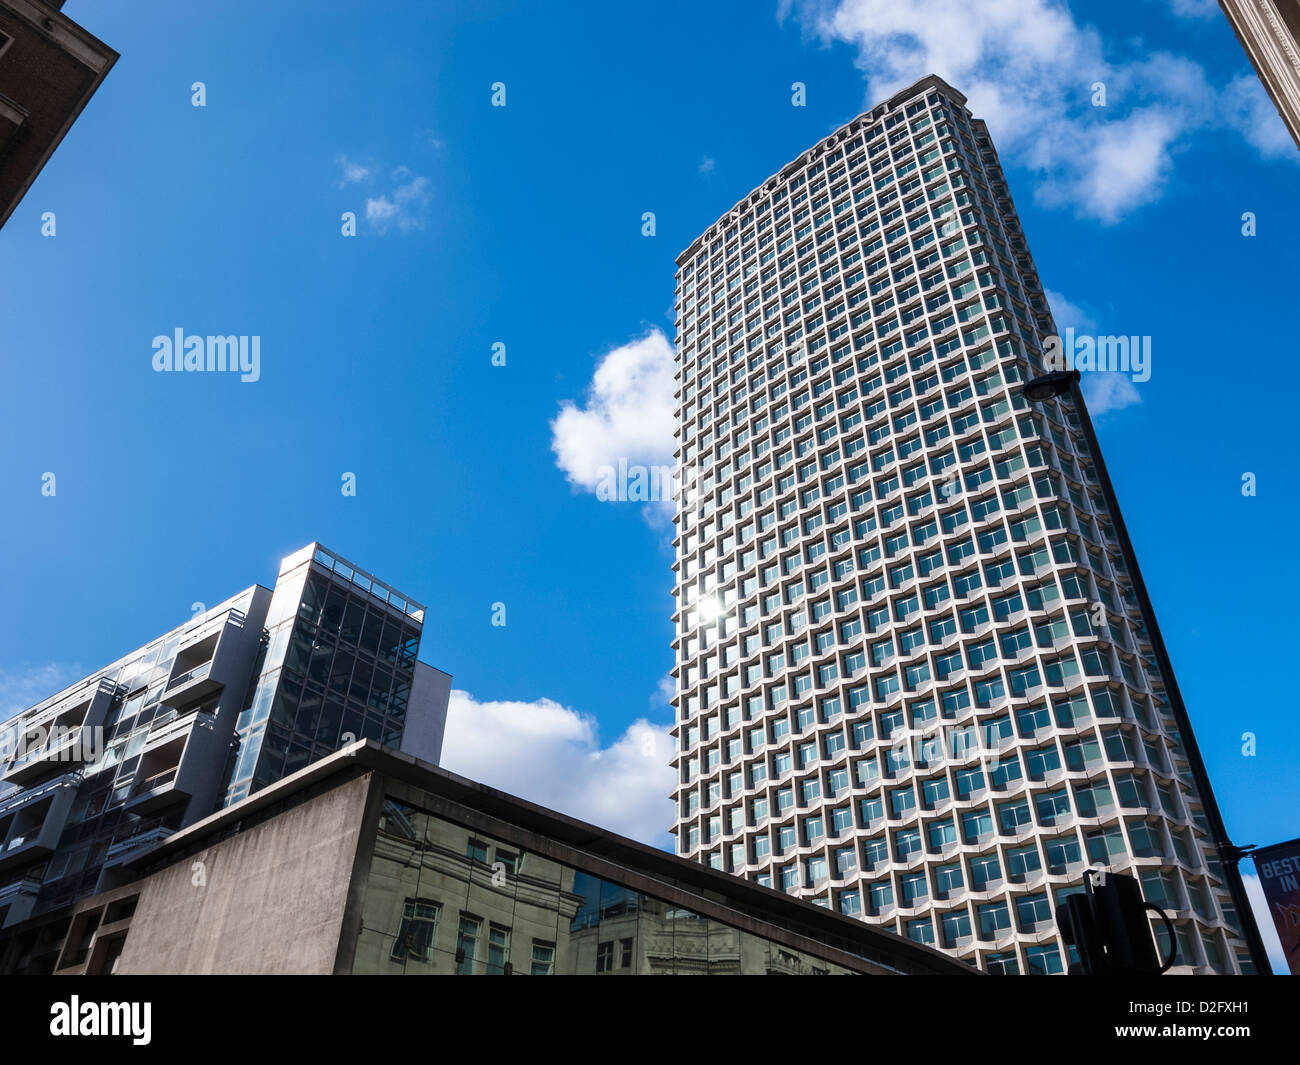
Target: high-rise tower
917 681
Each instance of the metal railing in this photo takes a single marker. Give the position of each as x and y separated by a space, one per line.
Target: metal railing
79 694
24 885
153 783
197 673
140 841
27 795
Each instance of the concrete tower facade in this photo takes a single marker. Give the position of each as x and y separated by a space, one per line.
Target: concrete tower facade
915 679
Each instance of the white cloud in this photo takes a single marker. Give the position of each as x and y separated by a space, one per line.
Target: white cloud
1028 69
1250 110
1127 165
380 212
1195 8
1069 315
551 755
707 165
1104 391
351 173
405 206
1108 391
628 414
1264 919
21 689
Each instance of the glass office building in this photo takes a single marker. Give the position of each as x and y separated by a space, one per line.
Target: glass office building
243 694
340 666
914 683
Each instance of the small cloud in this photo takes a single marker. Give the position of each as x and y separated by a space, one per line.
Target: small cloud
1203 9
663 696
706 166
404 207
1103 392
428 138
380 212
351 173
1248 109
1069 315
1109 391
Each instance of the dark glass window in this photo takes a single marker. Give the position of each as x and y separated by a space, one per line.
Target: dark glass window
353 617
313 595
332 615
371 631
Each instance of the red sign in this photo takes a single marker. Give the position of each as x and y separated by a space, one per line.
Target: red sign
1279 876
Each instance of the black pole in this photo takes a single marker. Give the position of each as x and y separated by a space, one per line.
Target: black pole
1229 855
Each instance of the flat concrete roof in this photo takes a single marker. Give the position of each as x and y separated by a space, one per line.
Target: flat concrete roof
766 904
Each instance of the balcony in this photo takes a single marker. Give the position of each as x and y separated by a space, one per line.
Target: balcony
191 683
155 792
24 797
175 725
17 899
124 850
75 747
31 822
61 738
204 665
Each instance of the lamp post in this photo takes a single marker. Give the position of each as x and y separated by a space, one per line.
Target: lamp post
1065 383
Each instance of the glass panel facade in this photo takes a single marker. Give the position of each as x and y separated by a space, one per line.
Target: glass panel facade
442 898
339 668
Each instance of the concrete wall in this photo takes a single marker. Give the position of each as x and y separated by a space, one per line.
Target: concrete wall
271 901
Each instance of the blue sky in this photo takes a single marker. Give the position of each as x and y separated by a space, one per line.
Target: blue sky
523 225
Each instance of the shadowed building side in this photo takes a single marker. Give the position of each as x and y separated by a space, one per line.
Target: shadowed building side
49 69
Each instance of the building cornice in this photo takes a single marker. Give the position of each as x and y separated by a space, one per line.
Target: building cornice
854 125
1270 44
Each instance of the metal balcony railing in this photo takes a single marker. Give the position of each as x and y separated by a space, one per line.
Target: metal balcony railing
156 782
140 841
27 795
197 673
24 885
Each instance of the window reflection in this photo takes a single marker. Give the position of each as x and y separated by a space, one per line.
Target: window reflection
444 899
